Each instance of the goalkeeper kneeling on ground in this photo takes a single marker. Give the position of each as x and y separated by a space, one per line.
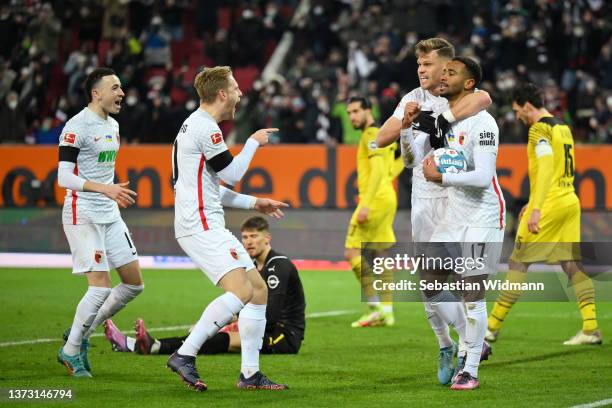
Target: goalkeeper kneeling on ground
285 318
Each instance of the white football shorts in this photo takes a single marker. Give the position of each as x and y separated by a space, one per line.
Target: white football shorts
100 247
216 252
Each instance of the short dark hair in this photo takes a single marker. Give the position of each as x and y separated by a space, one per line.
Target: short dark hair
94 77
255 223
472 68
363 101
528 92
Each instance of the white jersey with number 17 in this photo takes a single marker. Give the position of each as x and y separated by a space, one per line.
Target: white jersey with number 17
197 203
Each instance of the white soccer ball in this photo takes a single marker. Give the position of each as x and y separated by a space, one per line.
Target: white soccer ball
450 160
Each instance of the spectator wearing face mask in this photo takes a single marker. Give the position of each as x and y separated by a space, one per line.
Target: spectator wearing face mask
133 118
13 119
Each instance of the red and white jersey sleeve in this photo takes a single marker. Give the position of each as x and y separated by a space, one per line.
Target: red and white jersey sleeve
98 142
197 203
473 206
435 104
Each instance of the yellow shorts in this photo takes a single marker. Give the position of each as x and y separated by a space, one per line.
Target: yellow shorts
557 240
377 229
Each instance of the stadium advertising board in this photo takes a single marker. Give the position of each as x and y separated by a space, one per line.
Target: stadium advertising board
303 175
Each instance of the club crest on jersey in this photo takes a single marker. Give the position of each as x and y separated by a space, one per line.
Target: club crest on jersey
98 256
461 138
216 138
69 138
234 253
273 281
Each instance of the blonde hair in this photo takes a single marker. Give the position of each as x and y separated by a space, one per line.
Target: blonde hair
443 48
210 81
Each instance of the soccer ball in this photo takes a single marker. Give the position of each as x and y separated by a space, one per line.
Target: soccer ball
450 160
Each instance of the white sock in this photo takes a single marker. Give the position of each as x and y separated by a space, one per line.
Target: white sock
130 342
83 318
252 326
439 326
475 333
118 298
216 315
451 311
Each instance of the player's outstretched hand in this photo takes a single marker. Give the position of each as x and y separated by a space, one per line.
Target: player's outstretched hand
120 194
411 111
270 207
262 135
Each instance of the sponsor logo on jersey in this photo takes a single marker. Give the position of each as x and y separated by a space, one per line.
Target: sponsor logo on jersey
216 138
107 156
98 256
69 138
234 253
487 139
273 281
109 138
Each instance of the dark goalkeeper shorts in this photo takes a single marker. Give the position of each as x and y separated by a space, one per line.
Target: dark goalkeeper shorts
281 340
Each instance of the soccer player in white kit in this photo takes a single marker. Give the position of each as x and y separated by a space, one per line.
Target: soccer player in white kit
99 239
429 200
200 159
475 215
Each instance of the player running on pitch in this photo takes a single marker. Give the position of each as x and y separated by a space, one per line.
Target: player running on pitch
372 220
549 225
99 239
200 159
429 201
475 216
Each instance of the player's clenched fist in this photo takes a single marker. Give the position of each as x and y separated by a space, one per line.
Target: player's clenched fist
122 195
262 135
411 112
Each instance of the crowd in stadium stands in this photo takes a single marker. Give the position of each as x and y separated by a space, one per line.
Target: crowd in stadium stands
340 48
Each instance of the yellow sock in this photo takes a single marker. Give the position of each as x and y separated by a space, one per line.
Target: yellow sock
585 295
364 275
505 300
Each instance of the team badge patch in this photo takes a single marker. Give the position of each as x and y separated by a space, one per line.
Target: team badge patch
372 145
98 256
69 138
461 138
451 137
234 253
216 138
109 138
273 281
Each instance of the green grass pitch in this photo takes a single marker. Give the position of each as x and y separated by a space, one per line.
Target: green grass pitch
337 366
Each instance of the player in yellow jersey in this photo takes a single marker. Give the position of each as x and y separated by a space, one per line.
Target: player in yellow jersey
372 221
549 225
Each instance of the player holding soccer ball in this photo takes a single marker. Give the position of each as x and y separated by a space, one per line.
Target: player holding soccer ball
99 239
429 201
549 225
200 159
475 217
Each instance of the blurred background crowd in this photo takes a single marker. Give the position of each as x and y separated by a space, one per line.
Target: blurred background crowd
339 47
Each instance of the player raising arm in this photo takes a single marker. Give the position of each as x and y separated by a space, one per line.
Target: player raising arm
200 159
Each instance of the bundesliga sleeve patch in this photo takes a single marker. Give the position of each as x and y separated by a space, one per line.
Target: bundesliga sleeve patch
69 138
216 138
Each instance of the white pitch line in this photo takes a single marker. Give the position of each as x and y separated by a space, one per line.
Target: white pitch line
601 403
166 328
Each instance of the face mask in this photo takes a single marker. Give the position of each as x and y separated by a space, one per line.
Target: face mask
12 104
131 100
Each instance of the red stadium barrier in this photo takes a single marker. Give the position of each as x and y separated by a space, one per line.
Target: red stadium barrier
304 175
